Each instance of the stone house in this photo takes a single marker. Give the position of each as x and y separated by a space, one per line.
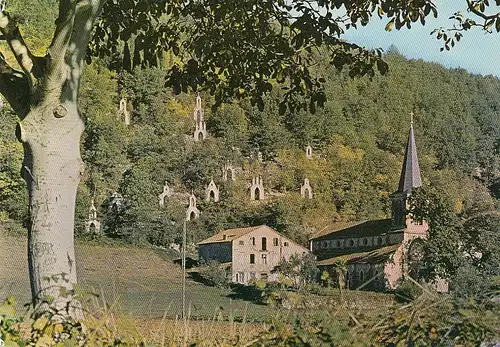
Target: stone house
252 252
378 253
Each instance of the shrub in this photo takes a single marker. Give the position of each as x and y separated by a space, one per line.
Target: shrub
470 284
407 291
216 274
43 329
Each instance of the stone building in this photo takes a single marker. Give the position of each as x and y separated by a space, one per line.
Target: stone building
228 172
309 152
306 189
93 225
192 211
257 189
124 111
212 192
252 252
165 195
379 253
200 132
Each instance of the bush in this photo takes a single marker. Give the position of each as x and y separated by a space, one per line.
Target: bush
216 274
407 291
470 284
43 329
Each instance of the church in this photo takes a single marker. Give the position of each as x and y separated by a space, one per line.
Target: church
377 253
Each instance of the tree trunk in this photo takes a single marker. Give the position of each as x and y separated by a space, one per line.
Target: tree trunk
52 168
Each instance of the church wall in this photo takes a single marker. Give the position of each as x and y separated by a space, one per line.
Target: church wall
393 268
335 246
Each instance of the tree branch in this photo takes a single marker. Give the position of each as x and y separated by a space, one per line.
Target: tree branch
13 36
478 13
86 13
56 55
14 86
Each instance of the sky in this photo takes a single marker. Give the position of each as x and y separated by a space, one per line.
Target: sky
477 52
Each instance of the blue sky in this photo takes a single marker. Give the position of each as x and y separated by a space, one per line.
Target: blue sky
477 52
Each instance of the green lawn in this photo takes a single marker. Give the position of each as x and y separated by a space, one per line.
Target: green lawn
139 282
146 283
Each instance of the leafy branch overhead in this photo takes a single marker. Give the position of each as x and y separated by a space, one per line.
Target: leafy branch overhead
485 17
235 48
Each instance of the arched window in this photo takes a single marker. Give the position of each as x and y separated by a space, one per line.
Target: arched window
324 244
200 136
379 240
365 242
339 243
92 228
361 276
257 194
212 195
351 243
192 215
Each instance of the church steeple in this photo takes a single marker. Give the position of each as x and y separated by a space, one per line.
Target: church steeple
410 174
409 179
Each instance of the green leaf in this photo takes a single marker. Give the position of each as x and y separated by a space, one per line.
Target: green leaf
389 25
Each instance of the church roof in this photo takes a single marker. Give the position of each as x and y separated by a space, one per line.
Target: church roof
410 173
354 229
375 256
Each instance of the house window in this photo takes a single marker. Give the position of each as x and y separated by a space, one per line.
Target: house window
263 276
285 244
264 244
365 241
253 240
275 242
241 243
264 258
252 258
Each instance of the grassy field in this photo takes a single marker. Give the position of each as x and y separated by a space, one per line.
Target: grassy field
140 291
136 282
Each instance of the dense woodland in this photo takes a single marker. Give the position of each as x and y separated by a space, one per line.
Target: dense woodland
358 140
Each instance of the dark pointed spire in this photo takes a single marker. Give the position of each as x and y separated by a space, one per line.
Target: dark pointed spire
410 174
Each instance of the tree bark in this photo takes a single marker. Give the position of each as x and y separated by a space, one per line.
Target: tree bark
52 168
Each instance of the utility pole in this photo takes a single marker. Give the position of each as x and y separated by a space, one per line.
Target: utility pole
184 271
184 316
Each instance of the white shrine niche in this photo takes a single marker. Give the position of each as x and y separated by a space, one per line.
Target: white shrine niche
124 112
306 190
257 189
212 192
192 212
228 172
93 226
200 132
309 152
163 197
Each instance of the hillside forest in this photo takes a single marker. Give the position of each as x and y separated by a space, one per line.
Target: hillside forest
358 140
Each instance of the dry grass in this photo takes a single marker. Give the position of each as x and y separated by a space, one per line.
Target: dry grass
138 282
